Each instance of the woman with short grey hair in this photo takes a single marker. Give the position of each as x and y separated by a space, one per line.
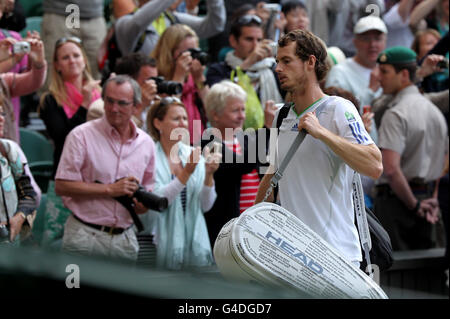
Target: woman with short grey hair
217 98
236 179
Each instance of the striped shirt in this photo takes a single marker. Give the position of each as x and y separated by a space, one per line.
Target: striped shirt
249 182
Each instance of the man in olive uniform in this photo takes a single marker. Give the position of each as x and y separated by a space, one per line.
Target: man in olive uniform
413 140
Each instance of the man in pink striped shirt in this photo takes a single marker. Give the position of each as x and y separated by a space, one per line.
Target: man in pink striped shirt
113 151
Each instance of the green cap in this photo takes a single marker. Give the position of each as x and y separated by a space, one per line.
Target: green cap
397 55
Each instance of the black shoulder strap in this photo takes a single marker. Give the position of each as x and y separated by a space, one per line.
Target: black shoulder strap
283 113
281 116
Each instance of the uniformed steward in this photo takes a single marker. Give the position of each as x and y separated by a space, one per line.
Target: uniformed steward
414 141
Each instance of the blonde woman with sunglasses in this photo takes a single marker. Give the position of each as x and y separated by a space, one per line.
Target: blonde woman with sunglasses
185 178
71 90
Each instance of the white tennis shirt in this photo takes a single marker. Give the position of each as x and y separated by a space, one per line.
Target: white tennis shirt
316 185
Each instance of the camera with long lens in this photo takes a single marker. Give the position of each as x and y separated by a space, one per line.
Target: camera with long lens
199 55
150 200
167 87
4 235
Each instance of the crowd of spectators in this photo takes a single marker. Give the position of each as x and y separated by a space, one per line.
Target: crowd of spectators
208 68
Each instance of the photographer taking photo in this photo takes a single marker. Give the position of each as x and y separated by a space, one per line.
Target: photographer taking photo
16 85
99 224
178 59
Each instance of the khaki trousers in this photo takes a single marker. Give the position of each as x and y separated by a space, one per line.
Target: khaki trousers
82 239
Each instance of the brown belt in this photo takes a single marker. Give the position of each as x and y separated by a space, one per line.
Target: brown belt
106 229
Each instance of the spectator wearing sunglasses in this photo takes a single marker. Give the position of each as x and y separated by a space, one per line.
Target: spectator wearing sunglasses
60 20
15 85
251 60
104 159
71 90
185 177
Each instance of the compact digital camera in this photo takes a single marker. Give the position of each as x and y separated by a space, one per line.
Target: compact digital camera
274 48
272 7
21 47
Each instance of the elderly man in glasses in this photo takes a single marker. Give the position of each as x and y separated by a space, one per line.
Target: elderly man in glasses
143 69
104 159
251 62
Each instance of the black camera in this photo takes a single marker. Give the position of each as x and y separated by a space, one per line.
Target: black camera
443 64
4 235
199 55
150 200
167 87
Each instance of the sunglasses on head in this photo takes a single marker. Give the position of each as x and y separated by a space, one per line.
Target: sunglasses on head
169 100
63 40
249 18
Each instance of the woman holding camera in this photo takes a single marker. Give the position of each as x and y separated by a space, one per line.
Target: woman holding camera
15 85
176 61
185 178
71 90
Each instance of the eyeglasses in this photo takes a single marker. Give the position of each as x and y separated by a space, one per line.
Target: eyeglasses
120 103
249 18
63 40
169 100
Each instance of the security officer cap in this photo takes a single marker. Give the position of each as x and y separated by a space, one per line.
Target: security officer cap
397 55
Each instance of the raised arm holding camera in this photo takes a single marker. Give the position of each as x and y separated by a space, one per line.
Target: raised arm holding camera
180 60
185 177
12 84
104 159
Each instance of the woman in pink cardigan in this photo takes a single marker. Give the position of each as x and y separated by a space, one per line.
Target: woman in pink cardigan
13 84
